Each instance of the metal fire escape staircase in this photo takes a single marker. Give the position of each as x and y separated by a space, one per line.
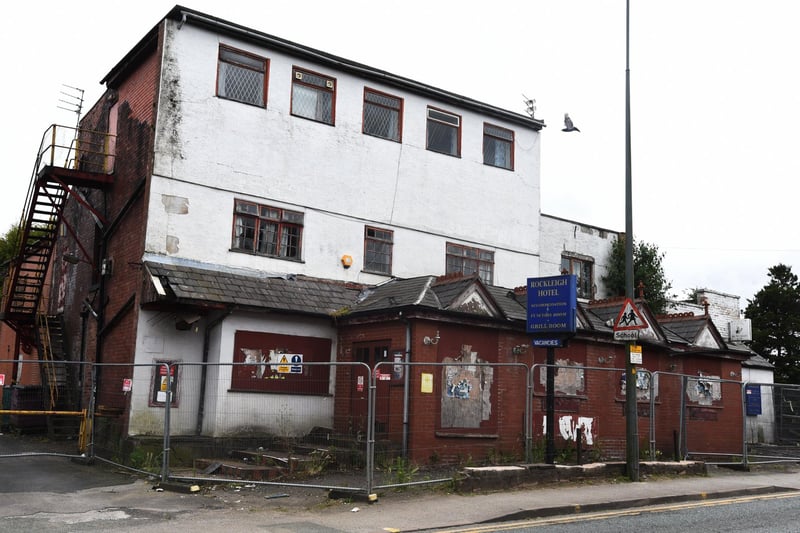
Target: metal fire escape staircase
68 158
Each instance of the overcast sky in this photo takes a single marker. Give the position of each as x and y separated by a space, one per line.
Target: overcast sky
715 102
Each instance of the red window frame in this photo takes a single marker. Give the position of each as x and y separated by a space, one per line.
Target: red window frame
379 236
439 118
315 81
382 100
497 135
283 226
230 54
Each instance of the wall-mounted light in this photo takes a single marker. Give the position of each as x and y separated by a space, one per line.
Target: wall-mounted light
73 259
428 340
347 261
185 323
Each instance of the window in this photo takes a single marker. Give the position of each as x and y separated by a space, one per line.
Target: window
383 115
266 230
469 261
582 267
274 363
242 77
378 250
313 96
444 132
498 147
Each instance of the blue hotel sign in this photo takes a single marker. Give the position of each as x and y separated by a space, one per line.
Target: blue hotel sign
552 304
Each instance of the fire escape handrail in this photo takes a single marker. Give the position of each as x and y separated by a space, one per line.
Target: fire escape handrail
80 150
72 151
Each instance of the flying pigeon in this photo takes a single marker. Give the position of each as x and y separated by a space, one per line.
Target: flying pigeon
568 126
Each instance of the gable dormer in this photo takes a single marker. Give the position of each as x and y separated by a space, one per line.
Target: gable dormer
466 294
697 331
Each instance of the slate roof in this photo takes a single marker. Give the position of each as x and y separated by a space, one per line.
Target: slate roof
756 361
202 284
437 293
685 327
447 290
513 306
398 293
199 284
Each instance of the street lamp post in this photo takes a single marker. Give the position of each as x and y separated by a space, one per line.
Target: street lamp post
631 413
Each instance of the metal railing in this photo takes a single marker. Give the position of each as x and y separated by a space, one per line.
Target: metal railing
165 403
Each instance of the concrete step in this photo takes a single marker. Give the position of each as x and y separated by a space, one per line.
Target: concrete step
234 469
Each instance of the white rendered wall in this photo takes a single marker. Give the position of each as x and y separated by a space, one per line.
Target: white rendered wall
559 236
285 415
158 340
210 151
225 412
722 308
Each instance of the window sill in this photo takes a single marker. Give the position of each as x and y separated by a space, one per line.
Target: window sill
251 104
287 393
511 169
444 153
333 124
375 272
448 435
248 252
376 136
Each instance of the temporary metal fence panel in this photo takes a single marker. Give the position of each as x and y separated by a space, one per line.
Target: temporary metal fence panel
42 398
272 422
772 422
431 419
391 424
589 412
694 417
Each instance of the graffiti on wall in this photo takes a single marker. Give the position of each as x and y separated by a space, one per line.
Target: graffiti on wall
644 381
704 390
466 390
568 427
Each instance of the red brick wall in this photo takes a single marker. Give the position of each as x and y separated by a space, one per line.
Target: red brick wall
428 441
601 397
124 207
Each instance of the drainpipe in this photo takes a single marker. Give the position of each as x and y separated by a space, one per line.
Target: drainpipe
100 319
204 368
406 387
82 356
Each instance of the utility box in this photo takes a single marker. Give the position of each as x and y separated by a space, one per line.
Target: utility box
4 419
27 398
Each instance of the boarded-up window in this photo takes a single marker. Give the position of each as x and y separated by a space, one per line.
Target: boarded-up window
276 363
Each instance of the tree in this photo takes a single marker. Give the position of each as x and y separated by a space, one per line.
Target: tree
647 270
9 247
774 313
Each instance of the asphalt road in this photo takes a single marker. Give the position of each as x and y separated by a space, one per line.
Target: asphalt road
41 473
769 513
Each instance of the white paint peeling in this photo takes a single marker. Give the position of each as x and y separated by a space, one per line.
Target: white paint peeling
568 427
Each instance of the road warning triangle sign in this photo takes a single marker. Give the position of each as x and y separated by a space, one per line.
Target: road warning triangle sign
629 318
